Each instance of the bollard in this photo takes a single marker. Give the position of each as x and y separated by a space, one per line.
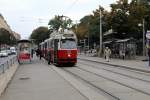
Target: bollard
149 60
11 62
148 56
3 68
7 64
14 60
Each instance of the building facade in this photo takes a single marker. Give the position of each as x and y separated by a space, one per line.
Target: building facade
3 24
16 35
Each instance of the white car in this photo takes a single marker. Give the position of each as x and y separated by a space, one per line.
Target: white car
9 52
13 50
3 53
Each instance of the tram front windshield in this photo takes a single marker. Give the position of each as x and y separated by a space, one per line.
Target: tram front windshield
68 44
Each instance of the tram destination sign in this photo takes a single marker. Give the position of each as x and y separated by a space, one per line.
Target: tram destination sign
148 34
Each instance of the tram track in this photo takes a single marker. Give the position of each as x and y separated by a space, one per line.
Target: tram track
136 89
93 85
136 70
129 76
106 78
144 92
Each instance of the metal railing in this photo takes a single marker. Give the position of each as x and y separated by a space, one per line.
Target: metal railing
7 64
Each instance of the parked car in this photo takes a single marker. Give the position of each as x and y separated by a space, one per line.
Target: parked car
3 53
13 50
9 52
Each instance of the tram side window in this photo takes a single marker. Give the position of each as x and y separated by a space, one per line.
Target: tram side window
52 43
68 44
46 45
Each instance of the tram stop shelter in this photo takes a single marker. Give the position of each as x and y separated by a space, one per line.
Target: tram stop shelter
122 47
127 47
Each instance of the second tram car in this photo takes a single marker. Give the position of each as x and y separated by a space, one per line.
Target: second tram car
62 47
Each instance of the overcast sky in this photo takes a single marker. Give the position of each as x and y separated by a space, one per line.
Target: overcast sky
25 15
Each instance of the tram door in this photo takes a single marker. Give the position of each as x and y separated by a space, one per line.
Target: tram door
56 41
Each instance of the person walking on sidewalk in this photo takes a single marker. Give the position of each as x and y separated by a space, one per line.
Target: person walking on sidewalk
49 57
107 53
32 52
40 53
149 56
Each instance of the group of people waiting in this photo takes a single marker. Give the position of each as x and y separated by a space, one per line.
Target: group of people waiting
117 53
39 54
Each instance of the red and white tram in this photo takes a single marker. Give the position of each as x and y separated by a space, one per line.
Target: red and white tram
62 47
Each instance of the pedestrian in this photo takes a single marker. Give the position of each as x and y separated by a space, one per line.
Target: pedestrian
49 57
149 56
32 52
123 54
37 52
107 53
40 54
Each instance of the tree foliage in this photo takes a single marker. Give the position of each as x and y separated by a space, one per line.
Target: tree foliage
40 34
83 27
58 22
124 18
89 25
6 37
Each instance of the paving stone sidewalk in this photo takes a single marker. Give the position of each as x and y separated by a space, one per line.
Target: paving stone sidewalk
38 81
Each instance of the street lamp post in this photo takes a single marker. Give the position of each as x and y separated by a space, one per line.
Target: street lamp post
143 31
143 26
101 39
144 37
88 37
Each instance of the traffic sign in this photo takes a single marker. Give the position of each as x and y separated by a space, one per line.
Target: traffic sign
148 34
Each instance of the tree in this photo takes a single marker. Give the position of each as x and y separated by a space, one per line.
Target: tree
89 25
123 18
83 27
119 19
126 17
55 23
6 37
139 10
40 34
95 24
137 14
58 22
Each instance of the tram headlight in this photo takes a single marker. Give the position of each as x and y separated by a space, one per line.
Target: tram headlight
69 55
